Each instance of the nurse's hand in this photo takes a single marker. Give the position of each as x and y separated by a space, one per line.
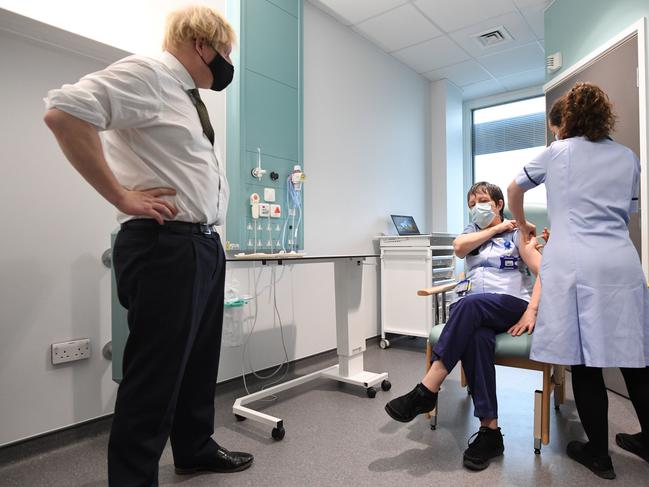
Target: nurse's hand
545 236
505 226
525 323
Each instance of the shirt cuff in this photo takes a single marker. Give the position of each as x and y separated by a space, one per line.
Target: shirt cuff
63 103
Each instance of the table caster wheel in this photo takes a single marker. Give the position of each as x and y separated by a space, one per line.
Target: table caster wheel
384 343
278 433
537 451
386 385
433 427
371 392
240 418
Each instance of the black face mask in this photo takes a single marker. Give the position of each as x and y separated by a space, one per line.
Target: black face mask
222 72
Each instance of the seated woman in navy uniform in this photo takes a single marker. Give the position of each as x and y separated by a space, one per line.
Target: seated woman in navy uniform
494 298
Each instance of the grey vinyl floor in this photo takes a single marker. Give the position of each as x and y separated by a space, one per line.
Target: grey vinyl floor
337 436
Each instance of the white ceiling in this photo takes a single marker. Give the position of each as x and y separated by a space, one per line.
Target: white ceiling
437 38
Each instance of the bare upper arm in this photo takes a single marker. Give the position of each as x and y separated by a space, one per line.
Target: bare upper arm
530 255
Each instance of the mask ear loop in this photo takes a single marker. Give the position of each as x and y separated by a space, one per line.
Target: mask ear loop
196 40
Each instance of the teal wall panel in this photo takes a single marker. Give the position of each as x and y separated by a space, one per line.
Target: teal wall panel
264 110
291 6
272 42
271 117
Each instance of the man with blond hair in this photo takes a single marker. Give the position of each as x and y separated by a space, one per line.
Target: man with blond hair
156 163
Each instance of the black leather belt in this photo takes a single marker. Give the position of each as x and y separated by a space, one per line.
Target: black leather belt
173 226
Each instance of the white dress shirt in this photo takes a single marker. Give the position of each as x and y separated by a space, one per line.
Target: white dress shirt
151 134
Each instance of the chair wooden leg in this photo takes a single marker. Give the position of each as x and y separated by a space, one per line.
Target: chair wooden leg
558 385
432 415
545 410
538 421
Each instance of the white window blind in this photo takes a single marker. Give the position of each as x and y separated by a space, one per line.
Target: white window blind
509 134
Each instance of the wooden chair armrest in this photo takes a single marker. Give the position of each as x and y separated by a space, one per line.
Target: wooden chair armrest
436 290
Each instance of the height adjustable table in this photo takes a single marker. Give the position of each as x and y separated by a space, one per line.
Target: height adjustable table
350 339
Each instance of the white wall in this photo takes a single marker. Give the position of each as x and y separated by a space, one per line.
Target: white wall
455 198
131 25
365 133
365 117
53 286
446 198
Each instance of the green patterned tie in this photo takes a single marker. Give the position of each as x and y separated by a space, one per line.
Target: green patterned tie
202 114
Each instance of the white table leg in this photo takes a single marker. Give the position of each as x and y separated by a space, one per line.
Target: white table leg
350 342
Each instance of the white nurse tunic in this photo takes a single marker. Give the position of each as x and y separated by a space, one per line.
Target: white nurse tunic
594 307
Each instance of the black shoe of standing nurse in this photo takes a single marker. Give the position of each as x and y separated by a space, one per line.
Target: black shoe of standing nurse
635 444
406 408
488 444
600 466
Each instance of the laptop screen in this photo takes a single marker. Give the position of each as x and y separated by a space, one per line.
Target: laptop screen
405 225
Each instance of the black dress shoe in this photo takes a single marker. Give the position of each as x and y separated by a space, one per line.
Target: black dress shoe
223 461
406 408
600 466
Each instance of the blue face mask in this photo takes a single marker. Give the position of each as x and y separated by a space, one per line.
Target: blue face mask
482 214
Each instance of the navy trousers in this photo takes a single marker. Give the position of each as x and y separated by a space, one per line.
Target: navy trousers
171 281
470 336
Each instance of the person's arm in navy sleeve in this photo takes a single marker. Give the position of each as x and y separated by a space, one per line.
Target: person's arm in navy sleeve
467 242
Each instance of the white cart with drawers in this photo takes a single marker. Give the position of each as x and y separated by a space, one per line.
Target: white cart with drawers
409 263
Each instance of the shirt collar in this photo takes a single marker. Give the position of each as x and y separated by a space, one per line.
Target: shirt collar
178 70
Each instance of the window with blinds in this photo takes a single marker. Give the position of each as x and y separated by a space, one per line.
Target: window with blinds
504 138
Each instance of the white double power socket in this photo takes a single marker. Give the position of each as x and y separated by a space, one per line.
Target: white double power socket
70 351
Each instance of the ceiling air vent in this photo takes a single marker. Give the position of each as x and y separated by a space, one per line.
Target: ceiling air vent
493 37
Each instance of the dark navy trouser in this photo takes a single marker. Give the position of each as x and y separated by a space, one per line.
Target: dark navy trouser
470 336
172 282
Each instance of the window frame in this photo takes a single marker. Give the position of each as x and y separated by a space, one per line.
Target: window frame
467 125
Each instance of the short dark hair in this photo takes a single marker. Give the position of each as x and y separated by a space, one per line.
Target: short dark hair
494 192
555 115
588 112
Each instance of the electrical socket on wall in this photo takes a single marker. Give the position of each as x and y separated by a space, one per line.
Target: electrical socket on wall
70 351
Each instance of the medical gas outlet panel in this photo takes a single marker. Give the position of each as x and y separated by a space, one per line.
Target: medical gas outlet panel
272 213
275 210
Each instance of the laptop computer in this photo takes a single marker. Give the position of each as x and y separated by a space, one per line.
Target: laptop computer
405 225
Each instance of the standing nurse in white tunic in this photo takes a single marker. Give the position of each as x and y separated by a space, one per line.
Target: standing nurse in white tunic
594 309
